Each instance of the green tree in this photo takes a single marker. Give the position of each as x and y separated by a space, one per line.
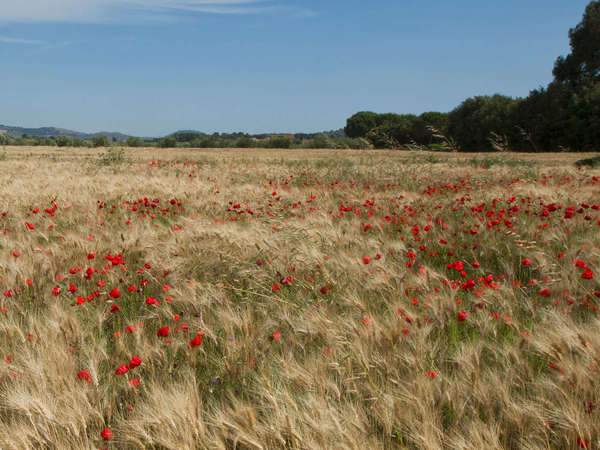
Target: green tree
133 141
279 142
64 141
582 65
473 121
361 123
100 141
243 142
168 142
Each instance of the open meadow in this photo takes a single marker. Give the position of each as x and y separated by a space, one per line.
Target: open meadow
298 299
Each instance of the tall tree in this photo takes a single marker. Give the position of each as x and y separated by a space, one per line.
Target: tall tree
582 65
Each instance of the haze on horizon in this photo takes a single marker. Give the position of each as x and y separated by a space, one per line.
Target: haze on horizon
150 67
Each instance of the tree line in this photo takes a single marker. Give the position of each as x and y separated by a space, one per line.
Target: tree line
333 140
565 115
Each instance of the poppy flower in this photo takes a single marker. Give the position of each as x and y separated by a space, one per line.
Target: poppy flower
114 293
84 375
582 443
526 262
163 332
135 382
196 341
122 369
366 260
276 336
431 374
130 329
275 287
545 292
114 308
134 362
587 275
106 434
462 316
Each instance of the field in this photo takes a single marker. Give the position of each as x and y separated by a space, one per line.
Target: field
298 299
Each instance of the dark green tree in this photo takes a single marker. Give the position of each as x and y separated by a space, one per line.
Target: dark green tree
279 142
133 141
360 124
168 142
100 141
243 142
474 120
582 65
64 141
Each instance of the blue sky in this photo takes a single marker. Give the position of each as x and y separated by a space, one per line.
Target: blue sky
150 67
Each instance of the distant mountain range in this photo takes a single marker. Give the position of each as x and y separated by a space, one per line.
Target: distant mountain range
45 132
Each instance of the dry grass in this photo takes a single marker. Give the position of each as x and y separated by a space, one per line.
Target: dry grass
348 369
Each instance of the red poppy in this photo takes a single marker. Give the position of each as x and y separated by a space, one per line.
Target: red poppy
152 301
114 293
587 275
106 434
431 374
366 260
526 262
196 341
462 316
84 375
122 369
582 443
163 332
276 336
134 362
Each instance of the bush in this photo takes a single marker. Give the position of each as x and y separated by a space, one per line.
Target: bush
168 142
244 142
64 141
100 141
133 141
321 142
279 142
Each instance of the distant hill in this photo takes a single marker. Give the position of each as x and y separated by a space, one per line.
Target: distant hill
181 135
45 132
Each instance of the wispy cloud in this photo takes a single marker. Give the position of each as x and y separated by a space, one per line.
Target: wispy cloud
10 40
121 10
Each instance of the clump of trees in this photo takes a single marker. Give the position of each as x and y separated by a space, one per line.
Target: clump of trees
565 115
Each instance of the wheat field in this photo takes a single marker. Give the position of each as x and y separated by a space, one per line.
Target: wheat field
298 299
